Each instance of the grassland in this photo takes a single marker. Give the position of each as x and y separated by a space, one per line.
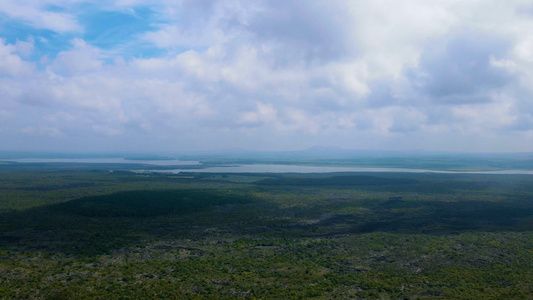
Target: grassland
75 234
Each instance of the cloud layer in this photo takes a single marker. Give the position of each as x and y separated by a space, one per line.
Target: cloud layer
272 75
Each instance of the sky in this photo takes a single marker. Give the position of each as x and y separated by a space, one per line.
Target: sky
186 75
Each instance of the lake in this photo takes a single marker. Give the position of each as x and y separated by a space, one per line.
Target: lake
272 168
115 160
252 168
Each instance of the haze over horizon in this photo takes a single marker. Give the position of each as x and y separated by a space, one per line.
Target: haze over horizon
138 75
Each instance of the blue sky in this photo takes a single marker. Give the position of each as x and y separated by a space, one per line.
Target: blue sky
136 75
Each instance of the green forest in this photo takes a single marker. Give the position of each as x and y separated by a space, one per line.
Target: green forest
80 233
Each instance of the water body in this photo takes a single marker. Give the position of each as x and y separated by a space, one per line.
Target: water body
267 168
252 168
117 160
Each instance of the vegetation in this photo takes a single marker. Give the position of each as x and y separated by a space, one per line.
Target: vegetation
97 234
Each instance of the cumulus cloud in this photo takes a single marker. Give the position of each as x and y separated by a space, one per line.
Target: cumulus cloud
276 75
11 64
82 58
463 70
35 14
25 48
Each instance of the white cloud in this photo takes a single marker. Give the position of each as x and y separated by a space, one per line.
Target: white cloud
33 13
10 63
82 58
25 48
352 74
264 113
47 131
